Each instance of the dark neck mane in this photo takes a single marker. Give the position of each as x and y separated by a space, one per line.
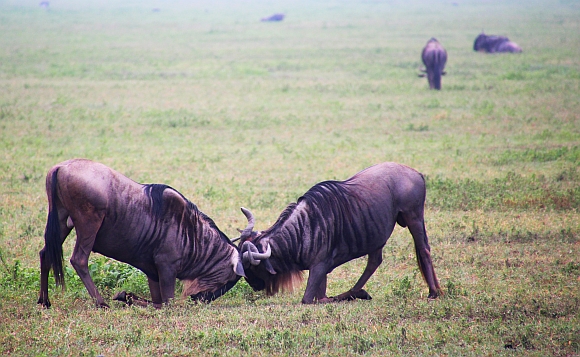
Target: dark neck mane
313 211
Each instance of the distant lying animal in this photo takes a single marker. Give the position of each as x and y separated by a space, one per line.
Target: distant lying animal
275 17
434 58
493 44
151 227
333 223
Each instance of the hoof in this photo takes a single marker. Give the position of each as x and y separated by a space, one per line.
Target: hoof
44 303
363 295
127 298
434 294
121 296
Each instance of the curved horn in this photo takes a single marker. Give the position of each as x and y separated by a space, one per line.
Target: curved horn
247 249
251 221
251 254
262 256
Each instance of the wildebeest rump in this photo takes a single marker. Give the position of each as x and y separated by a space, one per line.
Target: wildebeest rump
333 223
151 227
434 58
494 44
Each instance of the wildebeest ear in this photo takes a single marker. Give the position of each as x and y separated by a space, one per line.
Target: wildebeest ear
239 269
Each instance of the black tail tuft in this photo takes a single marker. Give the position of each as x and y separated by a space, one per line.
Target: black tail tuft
52 236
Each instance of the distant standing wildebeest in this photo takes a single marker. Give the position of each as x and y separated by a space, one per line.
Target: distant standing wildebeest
333 223
275 17
493 44
151 227
434 58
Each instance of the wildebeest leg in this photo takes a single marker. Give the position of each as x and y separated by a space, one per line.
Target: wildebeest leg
357 292
320 295
316 286
44 270
155 292
87 228
417 228
166 284
45 265
131 299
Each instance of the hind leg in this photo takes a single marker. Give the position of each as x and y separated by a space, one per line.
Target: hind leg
44 270
416 225
87 229
45 264
357 292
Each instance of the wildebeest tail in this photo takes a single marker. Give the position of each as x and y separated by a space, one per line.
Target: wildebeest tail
438 69
52 235
427 252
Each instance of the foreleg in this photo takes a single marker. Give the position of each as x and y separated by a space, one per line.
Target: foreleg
165 290
357 292
316 285
132 299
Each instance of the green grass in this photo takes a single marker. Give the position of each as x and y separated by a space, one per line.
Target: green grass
235 112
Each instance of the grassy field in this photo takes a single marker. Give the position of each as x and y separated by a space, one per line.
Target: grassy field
234 112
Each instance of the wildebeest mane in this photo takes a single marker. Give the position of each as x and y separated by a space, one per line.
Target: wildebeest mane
328 199
324 200
155 193
325 197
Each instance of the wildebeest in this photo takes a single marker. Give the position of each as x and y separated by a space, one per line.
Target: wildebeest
493 44
151 227
434 58
333 223
275 17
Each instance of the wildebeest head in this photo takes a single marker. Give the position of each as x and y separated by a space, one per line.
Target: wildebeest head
479 43
210 285
217 279
264 271
253 256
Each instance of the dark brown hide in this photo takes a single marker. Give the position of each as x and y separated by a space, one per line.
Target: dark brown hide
152 227
495 44
335 222
434 58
